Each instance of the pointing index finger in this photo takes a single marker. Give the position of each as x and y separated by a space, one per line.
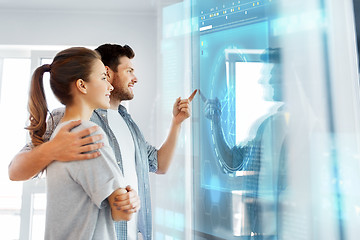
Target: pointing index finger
192 95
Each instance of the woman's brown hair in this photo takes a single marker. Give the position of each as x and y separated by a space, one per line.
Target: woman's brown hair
68 66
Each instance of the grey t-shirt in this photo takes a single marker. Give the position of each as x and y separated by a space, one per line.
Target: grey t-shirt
77 191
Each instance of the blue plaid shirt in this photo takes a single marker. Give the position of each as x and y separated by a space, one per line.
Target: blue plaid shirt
145 162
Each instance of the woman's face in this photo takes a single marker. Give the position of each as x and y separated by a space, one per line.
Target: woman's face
98 87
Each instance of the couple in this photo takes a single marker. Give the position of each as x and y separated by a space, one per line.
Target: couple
84 197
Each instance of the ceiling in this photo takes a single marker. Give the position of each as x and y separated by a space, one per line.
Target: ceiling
141 6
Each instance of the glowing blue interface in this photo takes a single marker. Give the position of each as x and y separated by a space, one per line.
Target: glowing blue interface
240 94
215 15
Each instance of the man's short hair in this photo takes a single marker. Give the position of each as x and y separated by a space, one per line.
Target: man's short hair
111 53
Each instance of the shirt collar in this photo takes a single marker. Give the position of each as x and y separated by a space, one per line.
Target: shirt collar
122 110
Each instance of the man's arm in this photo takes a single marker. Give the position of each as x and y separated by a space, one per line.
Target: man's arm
66 146
181 111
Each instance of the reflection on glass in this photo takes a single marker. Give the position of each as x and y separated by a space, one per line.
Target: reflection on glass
239 101
248 163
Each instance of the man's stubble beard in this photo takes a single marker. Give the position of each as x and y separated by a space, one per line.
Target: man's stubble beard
119 95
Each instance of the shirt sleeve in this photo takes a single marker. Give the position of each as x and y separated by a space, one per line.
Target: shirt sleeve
152 157
51 123
101 176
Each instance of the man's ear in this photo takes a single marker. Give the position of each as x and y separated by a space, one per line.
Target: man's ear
109 72
81 86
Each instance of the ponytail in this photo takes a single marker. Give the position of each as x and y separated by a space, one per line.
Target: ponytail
37 106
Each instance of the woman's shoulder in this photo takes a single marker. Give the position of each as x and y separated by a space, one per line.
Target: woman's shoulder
87 124
83 125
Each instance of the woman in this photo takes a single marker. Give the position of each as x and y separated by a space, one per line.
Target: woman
80 194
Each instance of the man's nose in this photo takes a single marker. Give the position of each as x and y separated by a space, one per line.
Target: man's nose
135 80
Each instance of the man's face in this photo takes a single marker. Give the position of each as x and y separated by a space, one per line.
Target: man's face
98 88
270 81
123 80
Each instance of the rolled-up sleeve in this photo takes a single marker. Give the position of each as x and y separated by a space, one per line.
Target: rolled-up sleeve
51 123
152 157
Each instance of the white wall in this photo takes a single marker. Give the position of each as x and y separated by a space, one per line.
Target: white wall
138 30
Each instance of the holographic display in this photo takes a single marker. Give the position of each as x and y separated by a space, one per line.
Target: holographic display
240 91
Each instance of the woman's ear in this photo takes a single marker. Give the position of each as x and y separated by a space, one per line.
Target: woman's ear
81 86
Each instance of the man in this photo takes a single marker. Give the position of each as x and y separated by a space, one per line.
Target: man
262 155
134 155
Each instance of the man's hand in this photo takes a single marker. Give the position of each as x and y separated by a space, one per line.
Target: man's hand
65 146
128 201
213 109
70 146
181 109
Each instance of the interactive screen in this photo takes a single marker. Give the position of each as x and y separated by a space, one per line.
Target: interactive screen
238 69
